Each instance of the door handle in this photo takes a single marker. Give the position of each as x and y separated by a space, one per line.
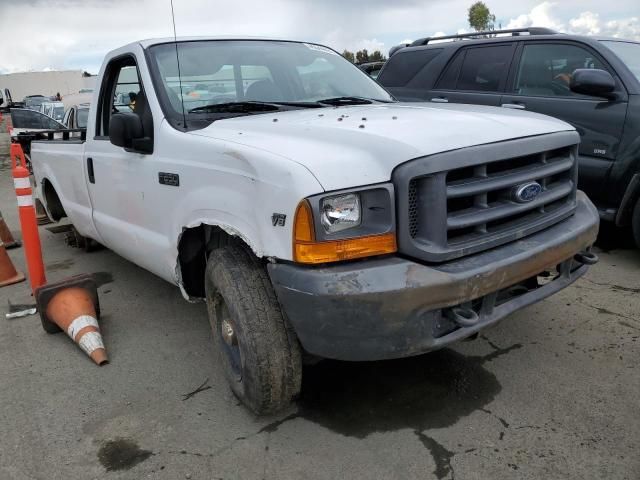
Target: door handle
92 178
514 106
440 100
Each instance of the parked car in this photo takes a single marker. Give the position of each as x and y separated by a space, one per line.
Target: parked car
7 101
314 213
54 110
76 116
28 120
371 68
592 83
33 102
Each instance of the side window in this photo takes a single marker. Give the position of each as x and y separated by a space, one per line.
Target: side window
127 89
122 91
27 119
68 118
81 117
50 124
405 66
546 69
449 78
484 68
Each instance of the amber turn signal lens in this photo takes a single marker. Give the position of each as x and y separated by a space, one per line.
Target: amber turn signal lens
307 250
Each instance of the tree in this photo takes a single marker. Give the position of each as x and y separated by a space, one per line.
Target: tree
362 56
377 56
349 56
480 17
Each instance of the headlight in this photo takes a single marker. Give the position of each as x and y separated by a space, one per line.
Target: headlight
340 212
345 225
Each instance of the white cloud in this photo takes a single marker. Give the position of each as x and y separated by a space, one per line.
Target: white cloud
587 23
547 14
627 28
77 33
540 16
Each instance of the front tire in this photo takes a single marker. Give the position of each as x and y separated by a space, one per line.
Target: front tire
257 348
635 223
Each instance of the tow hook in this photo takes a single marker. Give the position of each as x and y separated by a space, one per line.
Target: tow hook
465 317
586 258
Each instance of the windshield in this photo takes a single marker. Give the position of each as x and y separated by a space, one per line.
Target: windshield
83 115
628 52
218 72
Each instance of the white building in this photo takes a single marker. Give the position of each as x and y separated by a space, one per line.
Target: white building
45 83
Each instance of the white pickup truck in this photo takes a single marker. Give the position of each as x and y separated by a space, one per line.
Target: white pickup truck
314 213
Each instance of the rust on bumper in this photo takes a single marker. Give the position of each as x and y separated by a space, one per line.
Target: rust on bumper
393 307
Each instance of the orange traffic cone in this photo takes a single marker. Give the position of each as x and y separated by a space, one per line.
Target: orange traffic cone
8 273
72 305
6 236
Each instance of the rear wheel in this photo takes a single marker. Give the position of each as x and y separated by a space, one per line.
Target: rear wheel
258 350
635 223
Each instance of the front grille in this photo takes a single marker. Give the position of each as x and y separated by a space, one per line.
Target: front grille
470 208
479 202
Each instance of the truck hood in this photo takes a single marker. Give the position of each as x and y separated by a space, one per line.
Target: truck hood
345 147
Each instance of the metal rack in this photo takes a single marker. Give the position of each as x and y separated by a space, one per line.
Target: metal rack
515 32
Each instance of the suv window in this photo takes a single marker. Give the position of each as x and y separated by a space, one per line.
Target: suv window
629 53
450 76
405 66
546 69
483 68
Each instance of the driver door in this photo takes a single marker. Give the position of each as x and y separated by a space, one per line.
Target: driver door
540 83
119 181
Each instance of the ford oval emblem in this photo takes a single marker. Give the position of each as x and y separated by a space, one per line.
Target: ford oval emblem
526 192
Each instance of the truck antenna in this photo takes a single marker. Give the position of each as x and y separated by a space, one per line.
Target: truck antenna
175 41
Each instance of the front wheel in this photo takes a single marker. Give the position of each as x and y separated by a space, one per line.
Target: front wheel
258 350
635 223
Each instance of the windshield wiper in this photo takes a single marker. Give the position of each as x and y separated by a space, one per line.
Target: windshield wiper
251 106
239 107
345 101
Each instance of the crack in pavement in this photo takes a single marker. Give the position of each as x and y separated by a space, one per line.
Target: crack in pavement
441 456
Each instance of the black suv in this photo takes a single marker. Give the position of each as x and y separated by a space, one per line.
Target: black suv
592 83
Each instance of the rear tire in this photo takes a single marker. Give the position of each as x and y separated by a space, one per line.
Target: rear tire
635 223
257 348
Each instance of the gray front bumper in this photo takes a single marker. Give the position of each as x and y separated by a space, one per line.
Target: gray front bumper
393 307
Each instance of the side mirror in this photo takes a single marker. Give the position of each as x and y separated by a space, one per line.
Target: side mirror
594 82
125 130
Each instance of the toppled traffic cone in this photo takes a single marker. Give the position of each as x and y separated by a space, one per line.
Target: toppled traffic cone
8 273
6 236
72 306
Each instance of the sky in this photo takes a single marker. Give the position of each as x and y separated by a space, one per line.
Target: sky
75 34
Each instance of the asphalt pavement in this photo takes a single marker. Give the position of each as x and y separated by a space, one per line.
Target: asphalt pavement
552 392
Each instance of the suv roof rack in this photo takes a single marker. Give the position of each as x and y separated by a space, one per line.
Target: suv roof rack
513 31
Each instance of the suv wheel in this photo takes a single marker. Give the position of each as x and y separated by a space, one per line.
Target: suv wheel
257 348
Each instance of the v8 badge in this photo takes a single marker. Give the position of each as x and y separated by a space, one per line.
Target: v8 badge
278 219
